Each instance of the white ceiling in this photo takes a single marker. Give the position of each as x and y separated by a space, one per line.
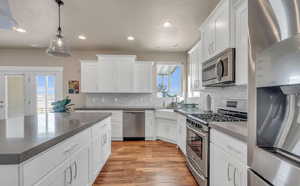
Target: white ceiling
107 23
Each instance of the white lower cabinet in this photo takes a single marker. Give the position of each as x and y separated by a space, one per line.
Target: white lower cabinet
166 126
227 165
150 125
116 123
181 133
101 148
76 161
61 176
80 167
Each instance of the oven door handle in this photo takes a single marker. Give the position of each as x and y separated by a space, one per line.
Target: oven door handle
195 171
202 134
219 69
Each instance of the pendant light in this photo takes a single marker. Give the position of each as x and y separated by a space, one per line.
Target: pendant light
6 19
57 45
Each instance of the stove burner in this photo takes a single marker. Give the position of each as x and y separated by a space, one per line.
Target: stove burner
213 117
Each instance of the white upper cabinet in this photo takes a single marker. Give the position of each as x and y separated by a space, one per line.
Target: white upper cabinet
143 71
195 66
116 74
124 72
218 30
89 76
222 27
106 79
241 30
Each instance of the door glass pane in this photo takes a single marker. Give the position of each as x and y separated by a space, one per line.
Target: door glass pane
15 95
195 142
50 91
45 91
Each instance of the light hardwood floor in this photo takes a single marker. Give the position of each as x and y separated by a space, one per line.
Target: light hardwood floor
145 163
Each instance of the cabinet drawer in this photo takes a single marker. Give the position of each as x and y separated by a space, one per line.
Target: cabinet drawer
37 167
233 146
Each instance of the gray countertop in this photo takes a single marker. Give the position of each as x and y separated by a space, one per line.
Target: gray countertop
116 108
187 111
237 130
24 137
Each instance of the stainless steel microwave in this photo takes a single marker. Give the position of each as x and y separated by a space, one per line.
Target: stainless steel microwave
219 70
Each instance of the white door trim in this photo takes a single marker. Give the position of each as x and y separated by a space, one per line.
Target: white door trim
32 68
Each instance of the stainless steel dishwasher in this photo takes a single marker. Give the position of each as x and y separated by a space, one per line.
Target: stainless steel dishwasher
134 125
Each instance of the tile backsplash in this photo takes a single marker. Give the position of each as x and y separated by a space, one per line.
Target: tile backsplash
126 100
218 94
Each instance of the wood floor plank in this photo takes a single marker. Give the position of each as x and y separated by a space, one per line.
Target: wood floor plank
145 163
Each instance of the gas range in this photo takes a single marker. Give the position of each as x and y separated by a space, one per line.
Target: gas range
198 136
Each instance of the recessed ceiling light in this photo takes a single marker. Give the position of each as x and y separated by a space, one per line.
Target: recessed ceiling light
82 37
18 29
167 24
130 38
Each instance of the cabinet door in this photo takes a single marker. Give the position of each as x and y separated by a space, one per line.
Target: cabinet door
96 156
108 139
183 137
80 167
195 58
61 176
221 25
241 18
2 96
237 173
149 125
107 76
220 169
125 73
105 145
171 131
143 77
89 77
206 40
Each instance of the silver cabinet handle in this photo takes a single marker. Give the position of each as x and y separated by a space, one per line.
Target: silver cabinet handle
228 172
75 165
234 177
71 179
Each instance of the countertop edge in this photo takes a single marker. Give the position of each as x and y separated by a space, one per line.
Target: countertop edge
15 159
114 108
230 132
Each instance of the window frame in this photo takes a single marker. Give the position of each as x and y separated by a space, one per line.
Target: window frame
182 67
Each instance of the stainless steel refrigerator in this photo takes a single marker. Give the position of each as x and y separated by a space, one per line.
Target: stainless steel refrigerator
274 93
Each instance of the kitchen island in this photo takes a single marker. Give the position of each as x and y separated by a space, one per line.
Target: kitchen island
54 148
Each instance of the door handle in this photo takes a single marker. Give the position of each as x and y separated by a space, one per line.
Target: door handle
228 172
75 165
70 179
234 177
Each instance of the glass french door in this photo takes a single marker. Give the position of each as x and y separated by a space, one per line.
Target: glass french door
29 90
46 92
12 95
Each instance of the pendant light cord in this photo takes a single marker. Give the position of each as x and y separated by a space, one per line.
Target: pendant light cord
60 3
